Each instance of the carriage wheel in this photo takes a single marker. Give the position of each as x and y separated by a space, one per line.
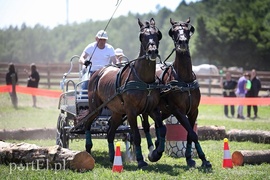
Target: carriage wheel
62 137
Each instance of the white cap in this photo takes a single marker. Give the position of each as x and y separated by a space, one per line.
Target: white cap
102 34
119 52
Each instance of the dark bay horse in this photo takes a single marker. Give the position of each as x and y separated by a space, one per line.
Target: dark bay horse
131 91
182 96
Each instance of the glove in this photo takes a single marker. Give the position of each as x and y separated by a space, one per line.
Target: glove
86 63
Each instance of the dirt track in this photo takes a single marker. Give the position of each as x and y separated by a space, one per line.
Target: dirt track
22 134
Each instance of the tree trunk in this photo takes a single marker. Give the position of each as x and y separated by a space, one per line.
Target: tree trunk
249 135
242 157
211 132
51 158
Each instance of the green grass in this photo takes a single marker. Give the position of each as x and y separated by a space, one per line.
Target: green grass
213 115
45 116
167 168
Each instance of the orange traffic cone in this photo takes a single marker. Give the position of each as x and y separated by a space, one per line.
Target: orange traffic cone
227 158
117 162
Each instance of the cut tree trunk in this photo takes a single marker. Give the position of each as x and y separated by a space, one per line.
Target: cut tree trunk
249 135
211 132
242 157
52 158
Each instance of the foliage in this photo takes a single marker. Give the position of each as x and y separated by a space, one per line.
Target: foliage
235 31
228 33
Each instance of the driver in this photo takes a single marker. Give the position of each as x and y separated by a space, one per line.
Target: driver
97 55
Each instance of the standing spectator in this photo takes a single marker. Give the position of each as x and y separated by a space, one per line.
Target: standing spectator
12 79
241 93
229 86
33 81
253 92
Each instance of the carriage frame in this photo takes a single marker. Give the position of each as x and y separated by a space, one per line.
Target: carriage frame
73 101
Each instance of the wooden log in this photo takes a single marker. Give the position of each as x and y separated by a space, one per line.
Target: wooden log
256 136
211 132
239 158
51 158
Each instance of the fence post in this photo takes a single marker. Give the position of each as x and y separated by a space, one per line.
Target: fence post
209 85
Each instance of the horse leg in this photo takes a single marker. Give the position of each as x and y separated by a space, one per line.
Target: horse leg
160 133
88 136
115 121
191 136
132 119
192 119
146 129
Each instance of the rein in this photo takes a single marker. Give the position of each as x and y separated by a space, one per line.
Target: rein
164 62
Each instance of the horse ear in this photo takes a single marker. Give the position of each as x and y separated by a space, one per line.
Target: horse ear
188 20
152 22
140 23
172 21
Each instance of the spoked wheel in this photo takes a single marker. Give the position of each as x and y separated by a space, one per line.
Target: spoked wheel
62 138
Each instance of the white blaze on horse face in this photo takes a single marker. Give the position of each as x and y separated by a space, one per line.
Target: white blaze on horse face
182 35
152 45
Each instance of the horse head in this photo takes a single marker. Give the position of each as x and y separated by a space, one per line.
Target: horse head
149 37
181 32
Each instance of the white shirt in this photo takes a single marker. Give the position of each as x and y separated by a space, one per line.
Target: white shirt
100 57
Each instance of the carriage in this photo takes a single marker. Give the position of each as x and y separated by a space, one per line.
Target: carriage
74 101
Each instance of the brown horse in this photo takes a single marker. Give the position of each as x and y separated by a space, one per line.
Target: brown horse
129 91
181 97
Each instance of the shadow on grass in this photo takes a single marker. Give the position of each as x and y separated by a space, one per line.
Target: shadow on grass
102 160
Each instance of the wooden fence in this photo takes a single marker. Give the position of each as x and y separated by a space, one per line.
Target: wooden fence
52 74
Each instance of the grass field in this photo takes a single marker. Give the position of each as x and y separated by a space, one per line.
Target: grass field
167 168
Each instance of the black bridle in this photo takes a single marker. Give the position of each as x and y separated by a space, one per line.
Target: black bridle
151 46
182 35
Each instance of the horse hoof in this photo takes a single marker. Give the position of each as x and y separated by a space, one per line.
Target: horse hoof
155 156
206 164
142 164
191 163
